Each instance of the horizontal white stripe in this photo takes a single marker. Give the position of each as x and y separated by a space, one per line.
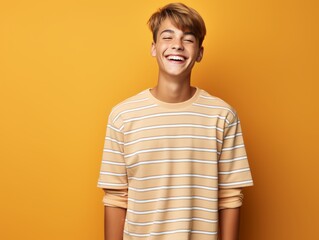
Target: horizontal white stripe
114 128
233 124
128 102
212 106
173 114
135 101
133 110
233 136
173 137
114 140
113 163
233 159
173 126
171 220
204 232
170 149
235 171
235 183
205 220
112 151
172 187
231 148
172 198
172 176
113 174
174 161
167 232
172 210
207 97
140 93
112 184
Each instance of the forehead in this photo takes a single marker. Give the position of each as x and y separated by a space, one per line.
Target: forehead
169 26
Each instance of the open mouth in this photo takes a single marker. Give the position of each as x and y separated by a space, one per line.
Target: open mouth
176 58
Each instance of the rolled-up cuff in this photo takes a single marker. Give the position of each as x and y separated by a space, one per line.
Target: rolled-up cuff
230 198
115 198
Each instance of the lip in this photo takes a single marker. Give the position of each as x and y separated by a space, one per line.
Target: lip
170 56
178 55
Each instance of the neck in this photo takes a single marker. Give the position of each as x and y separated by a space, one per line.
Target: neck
172 89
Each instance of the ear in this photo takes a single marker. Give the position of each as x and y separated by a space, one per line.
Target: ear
153 50
200 54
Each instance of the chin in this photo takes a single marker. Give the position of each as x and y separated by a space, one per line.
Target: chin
176 74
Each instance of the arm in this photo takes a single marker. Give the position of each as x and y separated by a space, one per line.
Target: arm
113 180
234 173
229 223
230 201
114 219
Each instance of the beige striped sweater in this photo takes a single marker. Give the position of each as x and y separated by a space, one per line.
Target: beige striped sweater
167 162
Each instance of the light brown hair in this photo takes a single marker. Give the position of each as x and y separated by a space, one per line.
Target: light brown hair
182 16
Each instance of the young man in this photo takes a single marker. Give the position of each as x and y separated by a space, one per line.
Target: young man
174 160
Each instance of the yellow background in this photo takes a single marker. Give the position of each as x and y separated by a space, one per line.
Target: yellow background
64 64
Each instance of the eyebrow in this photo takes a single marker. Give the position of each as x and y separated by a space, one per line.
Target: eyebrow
171 31
189 33
167 30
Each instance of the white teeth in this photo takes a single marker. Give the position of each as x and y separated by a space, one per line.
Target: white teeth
176 58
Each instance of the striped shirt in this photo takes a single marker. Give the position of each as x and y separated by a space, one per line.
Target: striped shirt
165 162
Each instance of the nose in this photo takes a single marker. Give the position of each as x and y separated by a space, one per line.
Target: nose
177 44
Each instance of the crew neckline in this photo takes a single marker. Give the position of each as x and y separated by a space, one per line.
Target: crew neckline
177 104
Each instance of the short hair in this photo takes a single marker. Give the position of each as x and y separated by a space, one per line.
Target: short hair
183 17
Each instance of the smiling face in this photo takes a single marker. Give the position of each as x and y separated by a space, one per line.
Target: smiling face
176 51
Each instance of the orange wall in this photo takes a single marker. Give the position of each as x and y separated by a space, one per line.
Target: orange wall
64 64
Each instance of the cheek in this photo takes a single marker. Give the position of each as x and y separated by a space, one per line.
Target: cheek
196 53
162 49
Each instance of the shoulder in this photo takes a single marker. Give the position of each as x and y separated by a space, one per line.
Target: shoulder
225 109
128 104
